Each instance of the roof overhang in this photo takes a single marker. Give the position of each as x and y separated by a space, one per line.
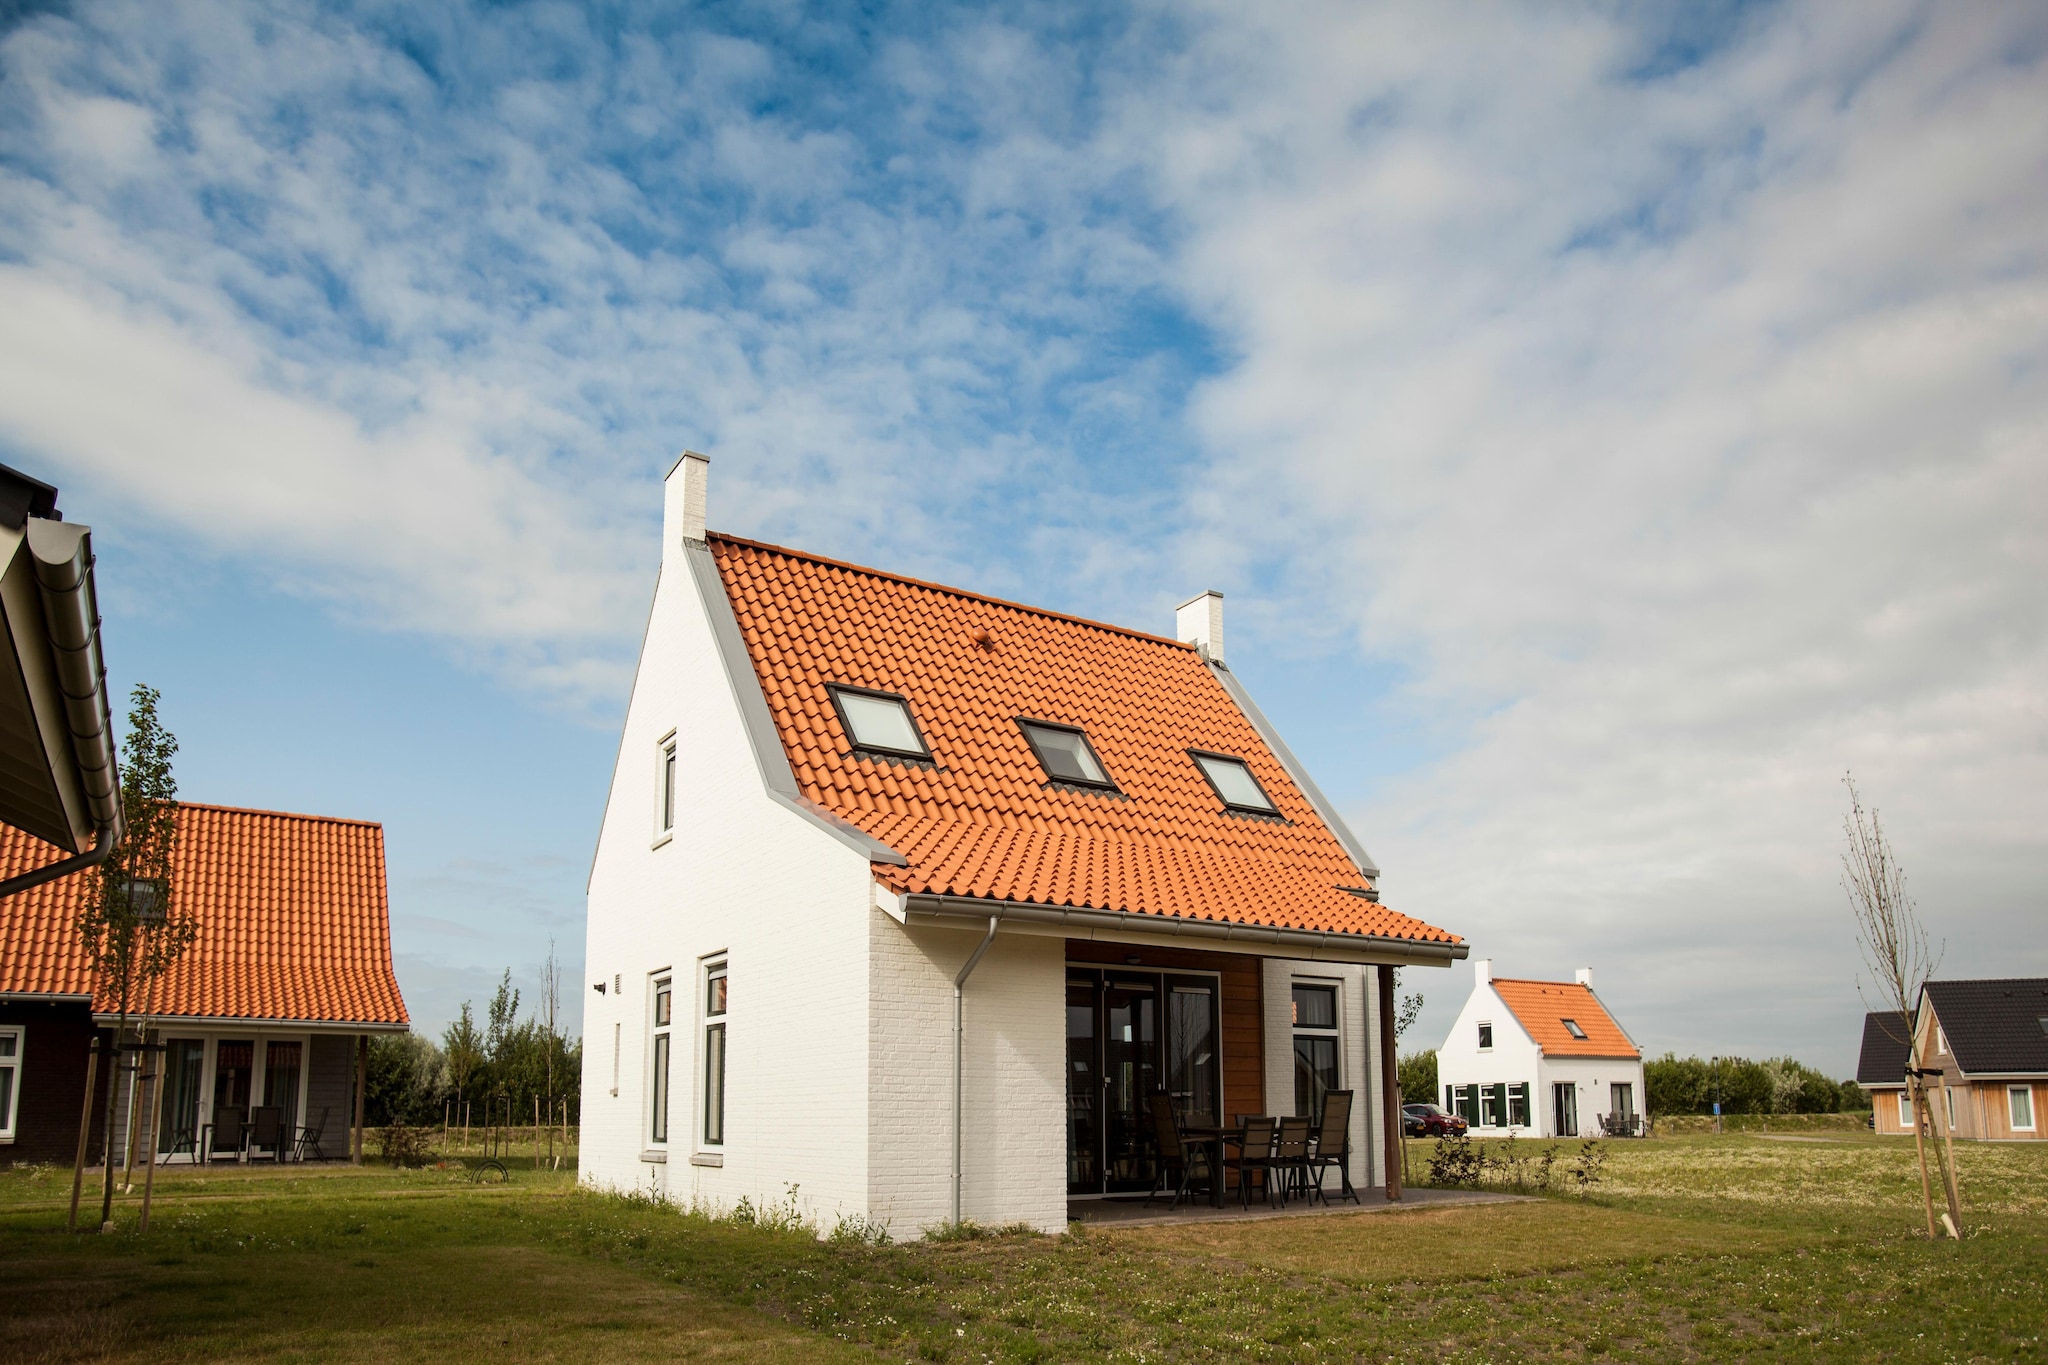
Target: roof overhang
57 770
165 1022
1124 926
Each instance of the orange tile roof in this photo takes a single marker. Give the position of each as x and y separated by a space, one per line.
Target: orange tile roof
1543 1006
293 921
981 820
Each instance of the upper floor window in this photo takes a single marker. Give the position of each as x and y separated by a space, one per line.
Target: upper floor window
1234 783
1065 753
714 1053
1485 1037
665 794
879 722
1571 1026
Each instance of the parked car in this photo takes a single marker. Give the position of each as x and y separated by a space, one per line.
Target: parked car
1426 1120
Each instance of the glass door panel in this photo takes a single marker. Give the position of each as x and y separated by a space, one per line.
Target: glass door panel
184 1060
1130 1054
281 1082
233 1062
1084 1090
1192 1066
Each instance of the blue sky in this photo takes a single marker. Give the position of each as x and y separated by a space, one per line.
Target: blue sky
1606 434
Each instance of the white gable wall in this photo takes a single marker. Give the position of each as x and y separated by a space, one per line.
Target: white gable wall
743 875
1514 1058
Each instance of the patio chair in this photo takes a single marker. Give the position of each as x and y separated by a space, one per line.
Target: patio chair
1173 1155
266 1129
229 1132
309 1138
1254 1153
1290 1154
1333 1144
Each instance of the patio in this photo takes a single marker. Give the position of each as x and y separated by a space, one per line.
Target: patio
1127 1211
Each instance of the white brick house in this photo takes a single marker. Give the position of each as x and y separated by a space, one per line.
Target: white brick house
859 822
1542 1058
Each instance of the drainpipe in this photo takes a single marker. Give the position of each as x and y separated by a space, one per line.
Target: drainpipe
959 993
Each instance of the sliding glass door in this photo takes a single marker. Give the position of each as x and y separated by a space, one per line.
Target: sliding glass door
1130 1035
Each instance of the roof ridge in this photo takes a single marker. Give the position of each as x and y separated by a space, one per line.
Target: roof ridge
947 588
1533 981
280 814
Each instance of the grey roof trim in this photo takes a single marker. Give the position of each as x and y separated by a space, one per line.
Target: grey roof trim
1259 940
46 997
1323 805
163 1021
777 777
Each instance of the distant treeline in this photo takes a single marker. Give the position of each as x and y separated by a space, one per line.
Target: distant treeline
1689 1085
414 1080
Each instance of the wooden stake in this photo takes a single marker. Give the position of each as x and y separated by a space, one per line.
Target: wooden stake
92 1075
1949 1185
156 1113
536 1132
362 1076
1920 1148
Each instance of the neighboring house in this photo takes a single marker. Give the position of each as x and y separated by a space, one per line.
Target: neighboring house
272 1004
1540 1057
1881 1070
57 774
906 899
1989 1040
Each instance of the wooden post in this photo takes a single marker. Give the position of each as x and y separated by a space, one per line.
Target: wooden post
92 1076
1953 1189
1920 1147
1390 1084
362 1075
536 1132
156 1110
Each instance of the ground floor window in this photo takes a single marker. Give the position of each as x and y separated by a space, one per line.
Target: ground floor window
2019 1101
10 1078
657 1080
715 987
1518 1105
1905 1109
1315 1046
1564 1109
1133 1033
1622 1102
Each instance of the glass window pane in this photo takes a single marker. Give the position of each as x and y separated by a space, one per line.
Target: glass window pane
8 1042
668 788
2022 1106
658 1091
1235 782
662 1004
1315 1071
714 992
1315 1007
1066 754
714 1083
880 723
281 1081
1191 1052
6 1097
180 1121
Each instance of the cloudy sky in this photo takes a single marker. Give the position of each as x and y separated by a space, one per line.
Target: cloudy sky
1607 433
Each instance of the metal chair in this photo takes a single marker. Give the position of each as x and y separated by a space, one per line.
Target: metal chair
1254 1153
1290 1154
309 1137
1333 1144
1172 1154
229 1132
266 1129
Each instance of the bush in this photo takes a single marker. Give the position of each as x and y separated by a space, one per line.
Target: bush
405 1145
1688 1085
1418 1078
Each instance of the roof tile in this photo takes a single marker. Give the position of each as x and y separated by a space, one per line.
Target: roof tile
1542 1007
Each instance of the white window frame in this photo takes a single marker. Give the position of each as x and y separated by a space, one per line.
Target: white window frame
660 1089
10 1120
710 967
1948 1103
1485 1035
1905 1109
2032 1122
666 788
1335 1033
1940 1040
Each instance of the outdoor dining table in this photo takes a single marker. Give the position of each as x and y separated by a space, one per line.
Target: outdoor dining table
1213 1139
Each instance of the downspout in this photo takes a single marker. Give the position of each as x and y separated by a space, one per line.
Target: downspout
959 1033
102 846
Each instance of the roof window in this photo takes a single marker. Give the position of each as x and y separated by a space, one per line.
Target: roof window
1571 1026
1065 754
878 722
1234 783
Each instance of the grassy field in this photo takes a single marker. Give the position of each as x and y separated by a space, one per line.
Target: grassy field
1690 1248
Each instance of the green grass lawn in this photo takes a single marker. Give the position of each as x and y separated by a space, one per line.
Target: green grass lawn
1691 1248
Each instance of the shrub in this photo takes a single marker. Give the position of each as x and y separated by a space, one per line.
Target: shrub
1456 1163
405 1145
857 1228
1419 1078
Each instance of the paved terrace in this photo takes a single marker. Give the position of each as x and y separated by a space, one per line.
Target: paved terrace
1131 1211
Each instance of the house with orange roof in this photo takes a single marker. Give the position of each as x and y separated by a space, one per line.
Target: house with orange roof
269 1009
910 900
1543 1058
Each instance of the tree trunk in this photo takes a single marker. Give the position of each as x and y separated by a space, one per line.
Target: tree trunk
107 1147
92 1076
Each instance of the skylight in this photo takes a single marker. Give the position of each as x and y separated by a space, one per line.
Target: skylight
1571 1026
879 721
1234 782
1066 754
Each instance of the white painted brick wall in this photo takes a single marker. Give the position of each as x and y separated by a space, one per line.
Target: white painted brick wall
1014 1129
1358 1062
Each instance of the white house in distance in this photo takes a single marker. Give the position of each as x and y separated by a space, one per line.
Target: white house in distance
911 898
1540 1057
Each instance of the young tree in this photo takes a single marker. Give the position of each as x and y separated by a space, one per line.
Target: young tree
463 1047
1895 952
133 926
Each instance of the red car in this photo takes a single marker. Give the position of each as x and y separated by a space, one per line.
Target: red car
1426 1120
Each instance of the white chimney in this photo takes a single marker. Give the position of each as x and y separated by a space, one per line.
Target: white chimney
1584 976
1482 971
683 503
1199 622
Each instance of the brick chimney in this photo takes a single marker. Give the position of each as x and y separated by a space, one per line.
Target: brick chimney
682 517
1199 622
1584 976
